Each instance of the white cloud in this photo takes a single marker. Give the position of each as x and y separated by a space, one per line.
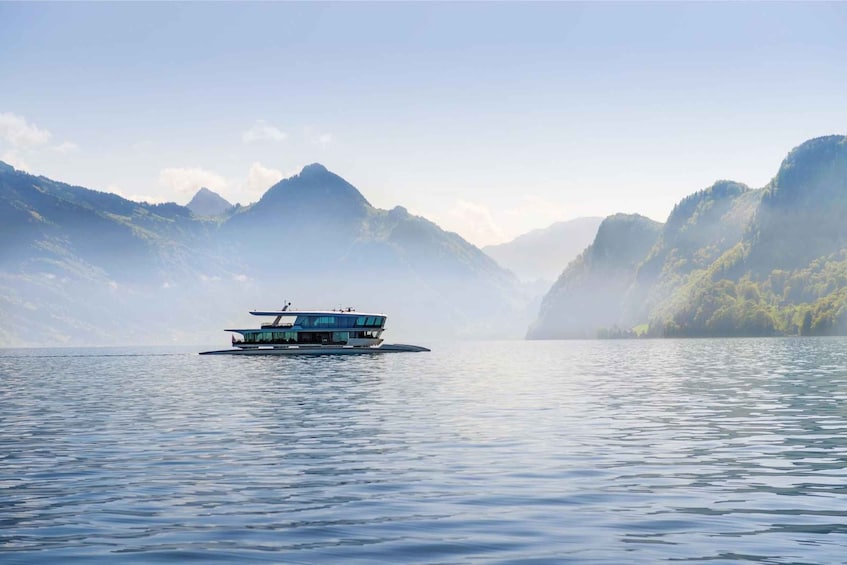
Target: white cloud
240 278
188 180
532 206
135 197
66 147
473 222
261 178
16 130
14 159
263 131
318 137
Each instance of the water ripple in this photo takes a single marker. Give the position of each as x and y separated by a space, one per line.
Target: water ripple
539 452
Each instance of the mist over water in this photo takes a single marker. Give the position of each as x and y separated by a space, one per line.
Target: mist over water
576 451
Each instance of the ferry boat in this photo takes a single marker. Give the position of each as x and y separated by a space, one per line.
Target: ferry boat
315 332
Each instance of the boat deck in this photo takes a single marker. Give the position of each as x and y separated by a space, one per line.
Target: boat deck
317 350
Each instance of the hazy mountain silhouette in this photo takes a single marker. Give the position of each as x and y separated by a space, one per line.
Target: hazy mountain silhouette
321 235
589 295
208 203
79 266
542 253
85 267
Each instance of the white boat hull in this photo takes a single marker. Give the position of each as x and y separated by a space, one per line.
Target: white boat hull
317 350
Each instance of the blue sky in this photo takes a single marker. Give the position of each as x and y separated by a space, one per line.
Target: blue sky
489 118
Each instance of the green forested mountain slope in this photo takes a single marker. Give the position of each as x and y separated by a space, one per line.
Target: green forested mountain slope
731 261
49 225
72 260
698 231
788 275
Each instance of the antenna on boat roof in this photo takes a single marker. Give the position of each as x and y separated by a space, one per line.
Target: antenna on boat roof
287 304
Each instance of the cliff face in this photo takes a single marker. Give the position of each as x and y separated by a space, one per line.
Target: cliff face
803 210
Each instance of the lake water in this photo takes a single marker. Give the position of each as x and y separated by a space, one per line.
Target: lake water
495 452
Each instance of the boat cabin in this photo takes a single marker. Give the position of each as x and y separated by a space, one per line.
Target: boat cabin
332 327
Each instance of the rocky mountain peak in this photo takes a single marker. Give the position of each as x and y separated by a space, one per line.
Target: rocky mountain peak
208 203
812 173
314 169
316 190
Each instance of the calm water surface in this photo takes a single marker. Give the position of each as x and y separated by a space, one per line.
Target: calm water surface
511 452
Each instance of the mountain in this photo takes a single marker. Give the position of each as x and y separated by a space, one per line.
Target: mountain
541 254
788 274
83 267
589 294
731 261
48 225
79 266
698 231
324 239
802 213
208 203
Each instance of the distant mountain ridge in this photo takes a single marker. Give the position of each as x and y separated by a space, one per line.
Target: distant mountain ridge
208 203
543 253
733 261
82 267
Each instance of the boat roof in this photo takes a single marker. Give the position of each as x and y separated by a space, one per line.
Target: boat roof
343 312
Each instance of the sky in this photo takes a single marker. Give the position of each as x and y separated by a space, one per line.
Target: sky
490 119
